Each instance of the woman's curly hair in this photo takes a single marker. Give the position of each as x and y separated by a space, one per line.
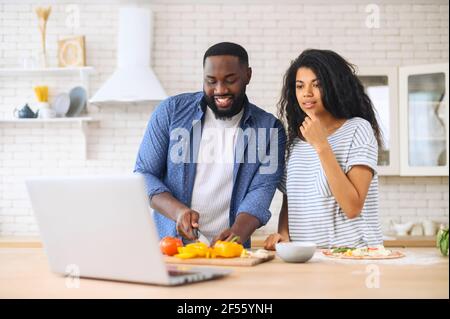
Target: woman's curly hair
342 93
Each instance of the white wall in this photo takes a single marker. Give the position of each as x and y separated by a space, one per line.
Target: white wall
415 32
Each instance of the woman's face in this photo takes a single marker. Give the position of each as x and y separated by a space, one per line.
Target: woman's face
307 91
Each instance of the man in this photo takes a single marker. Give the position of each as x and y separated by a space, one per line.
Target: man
211 159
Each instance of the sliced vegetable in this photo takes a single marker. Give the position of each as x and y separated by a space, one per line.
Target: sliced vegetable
341 249
245 253
225 249
198 249
348 253
185 255
228 249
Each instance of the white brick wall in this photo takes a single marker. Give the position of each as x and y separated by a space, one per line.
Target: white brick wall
411 32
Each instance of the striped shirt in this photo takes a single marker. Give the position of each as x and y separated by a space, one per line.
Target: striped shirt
314 214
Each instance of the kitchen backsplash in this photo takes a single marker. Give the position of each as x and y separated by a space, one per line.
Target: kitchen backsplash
409 34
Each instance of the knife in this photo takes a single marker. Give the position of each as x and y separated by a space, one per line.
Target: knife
200 237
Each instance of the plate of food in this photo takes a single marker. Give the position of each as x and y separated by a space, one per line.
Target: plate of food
375 252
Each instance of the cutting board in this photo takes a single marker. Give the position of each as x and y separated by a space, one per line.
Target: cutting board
238 261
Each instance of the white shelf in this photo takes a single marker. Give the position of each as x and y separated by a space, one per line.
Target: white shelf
82 72
82 121
48 71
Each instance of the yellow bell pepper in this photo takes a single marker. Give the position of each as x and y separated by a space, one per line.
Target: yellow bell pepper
210 253
199 249
193 250
228 249
225 249
185 255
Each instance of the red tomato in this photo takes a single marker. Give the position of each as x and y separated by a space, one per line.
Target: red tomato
169 245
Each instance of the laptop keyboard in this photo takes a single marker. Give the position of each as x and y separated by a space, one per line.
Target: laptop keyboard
186 276
176 273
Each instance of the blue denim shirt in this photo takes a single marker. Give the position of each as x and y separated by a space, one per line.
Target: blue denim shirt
255 175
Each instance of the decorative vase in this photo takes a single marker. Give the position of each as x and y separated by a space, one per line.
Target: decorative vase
42 58
43 14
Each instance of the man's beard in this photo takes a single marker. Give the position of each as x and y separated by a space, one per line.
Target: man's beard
235 108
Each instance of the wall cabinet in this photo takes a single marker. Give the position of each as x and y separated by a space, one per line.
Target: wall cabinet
412 110
424 120
381 85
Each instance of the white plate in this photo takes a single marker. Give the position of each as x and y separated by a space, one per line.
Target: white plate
61 104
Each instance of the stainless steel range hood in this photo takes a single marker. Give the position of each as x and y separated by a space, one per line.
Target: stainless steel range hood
133 80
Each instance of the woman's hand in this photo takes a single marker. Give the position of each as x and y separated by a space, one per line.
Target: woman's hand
273 239
314 132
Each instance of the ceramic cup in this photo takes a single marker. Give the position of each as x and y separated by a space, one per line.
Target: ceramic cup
46 113
429 227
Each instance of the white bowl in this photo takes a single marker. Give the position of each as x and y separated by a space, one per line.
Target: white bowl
295 252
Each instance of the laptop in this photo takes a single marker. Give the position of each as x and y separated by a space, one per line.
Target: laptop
102 227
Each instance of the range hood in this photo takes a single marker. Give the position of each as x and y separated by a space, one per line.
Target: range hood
133 80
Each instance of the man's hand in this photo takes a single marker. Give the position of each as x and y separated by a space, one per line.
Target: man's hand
172 208
273 239
226 235
187 219
243 227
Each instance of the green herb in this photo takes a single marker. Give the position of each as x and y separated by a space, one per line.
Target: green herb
341 249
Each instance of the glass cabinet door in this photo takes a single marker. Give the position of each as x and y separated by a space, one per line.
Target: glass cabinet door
380 84
424 119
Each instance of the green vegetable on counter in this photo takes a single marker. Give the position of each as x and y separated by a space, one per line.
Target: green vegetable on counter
442 240
341 249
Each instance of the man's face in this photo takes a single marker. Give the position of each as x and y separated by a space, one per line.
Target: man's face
224 83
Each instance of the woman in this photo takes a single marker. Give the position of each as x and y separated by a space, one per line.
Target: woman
331 185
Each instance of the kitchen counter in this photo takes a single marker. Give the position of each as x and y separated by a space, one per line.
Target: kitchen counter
257 241
390 241
423 273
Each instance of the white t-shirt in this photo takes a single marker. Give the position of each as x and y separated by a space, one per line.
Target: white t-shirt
213 183
314 214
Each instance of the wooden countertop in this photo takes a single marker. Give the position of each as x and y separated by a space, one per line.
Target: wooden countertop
24 273
257 241
396 241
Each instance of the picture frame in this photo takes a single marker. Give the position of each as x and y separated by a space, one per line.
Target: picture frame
71 52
